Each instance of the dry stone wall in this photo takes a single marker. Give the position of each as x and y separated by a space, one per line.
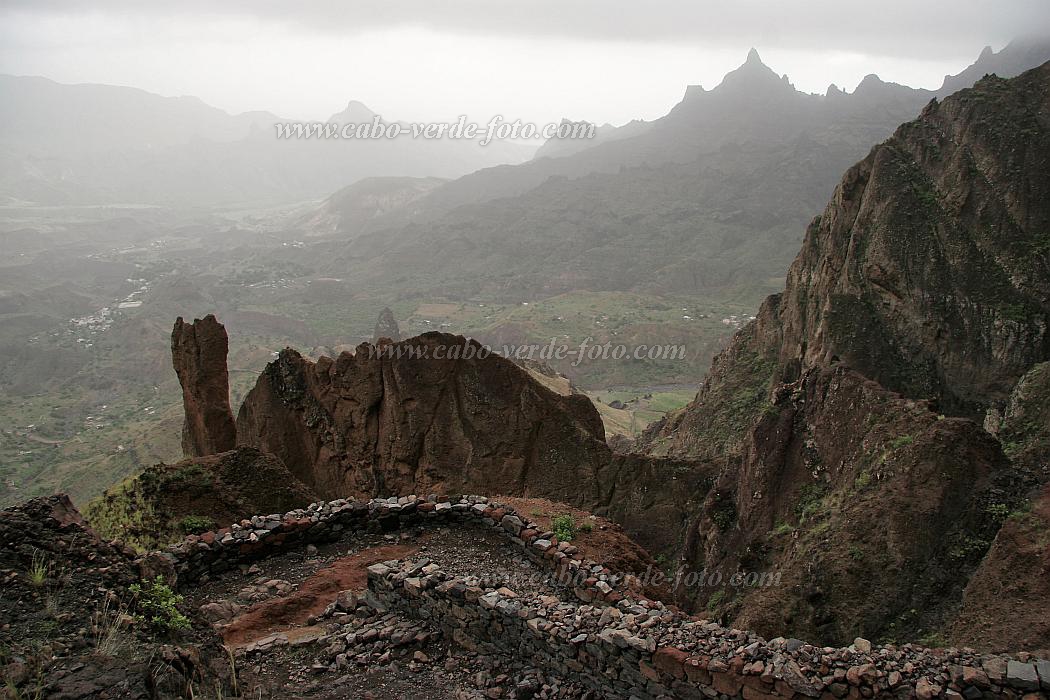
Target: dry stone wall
601 633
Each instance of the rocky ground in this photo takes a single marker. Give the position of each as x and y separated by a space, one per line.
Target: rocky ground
301 625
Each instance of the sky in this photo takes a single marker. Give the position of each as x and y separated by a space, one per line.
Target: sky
539 61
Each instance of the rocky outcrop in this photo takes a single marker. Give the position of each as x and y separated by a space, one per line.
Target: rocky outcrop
167 501
921 293
431 414
68 628
386 327
928 270
198 353
1012 583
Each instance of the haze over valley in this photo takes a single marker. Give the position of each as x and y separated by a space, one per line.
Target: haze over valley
722 320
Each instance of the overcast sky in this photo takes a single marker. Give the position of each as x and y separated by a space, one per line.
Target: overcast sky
537 60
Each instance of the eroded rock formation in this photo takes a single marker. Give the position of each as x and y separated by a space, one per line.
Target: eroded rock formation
198 353
395 419
386 327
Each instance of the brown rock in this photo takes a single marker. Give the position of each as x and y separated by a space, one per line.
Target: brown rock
671 661
925 690
198 353
696 671
726 683
432 414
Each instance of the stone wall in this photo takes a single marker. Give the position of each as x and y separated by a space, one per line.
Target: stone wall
600 632
641 649
199 557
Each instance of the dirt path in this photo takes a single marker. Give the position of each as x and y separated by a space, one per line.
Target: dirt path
311 597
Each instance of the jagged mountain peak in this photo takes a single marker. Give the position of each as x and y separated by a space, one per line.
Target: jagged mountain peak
753 75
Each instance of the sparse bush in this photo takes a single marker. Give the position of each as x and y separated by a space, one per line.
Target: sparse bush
196 524
783 529
933 640
724 511
810 501
715 601
158 605
586 527
106 627
999 512
564 527
901 441
39 569
967 547
863 480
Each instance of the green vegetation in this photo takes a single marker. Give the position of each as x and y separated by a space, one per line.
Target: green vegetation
901 441
998 512
39 569
637 408
586 527
124 512
783 529
564 527
934 640
966 547
724 511
716 600
106 627
196 524
811 501
158 605
862 481
1017 313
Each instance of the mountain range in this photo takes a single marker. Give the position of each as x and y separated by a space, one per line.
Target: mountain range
101 144
707 199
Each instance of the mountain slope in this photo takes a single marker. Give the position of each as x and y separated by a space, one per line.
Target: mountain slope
708 199
922 290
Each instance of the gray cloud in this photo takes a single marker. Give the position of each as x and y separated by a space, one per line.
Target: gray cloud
936 28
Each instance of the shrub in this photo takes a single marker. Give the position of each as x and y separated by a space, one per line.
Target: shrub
810 501
158 605
195 524
586 527
902 441
998 512
724 511
564 527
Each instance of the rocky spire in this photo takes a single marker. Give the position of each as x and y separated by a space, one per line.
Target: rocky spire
198 354
754 77
386 326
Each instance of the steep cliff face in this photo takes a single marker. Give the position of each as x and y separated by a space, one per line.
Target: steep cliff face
928 271
393 419
846 417
198 353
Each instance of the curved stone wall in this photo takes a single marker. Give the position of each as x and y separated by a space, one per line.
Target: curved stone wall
615 640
